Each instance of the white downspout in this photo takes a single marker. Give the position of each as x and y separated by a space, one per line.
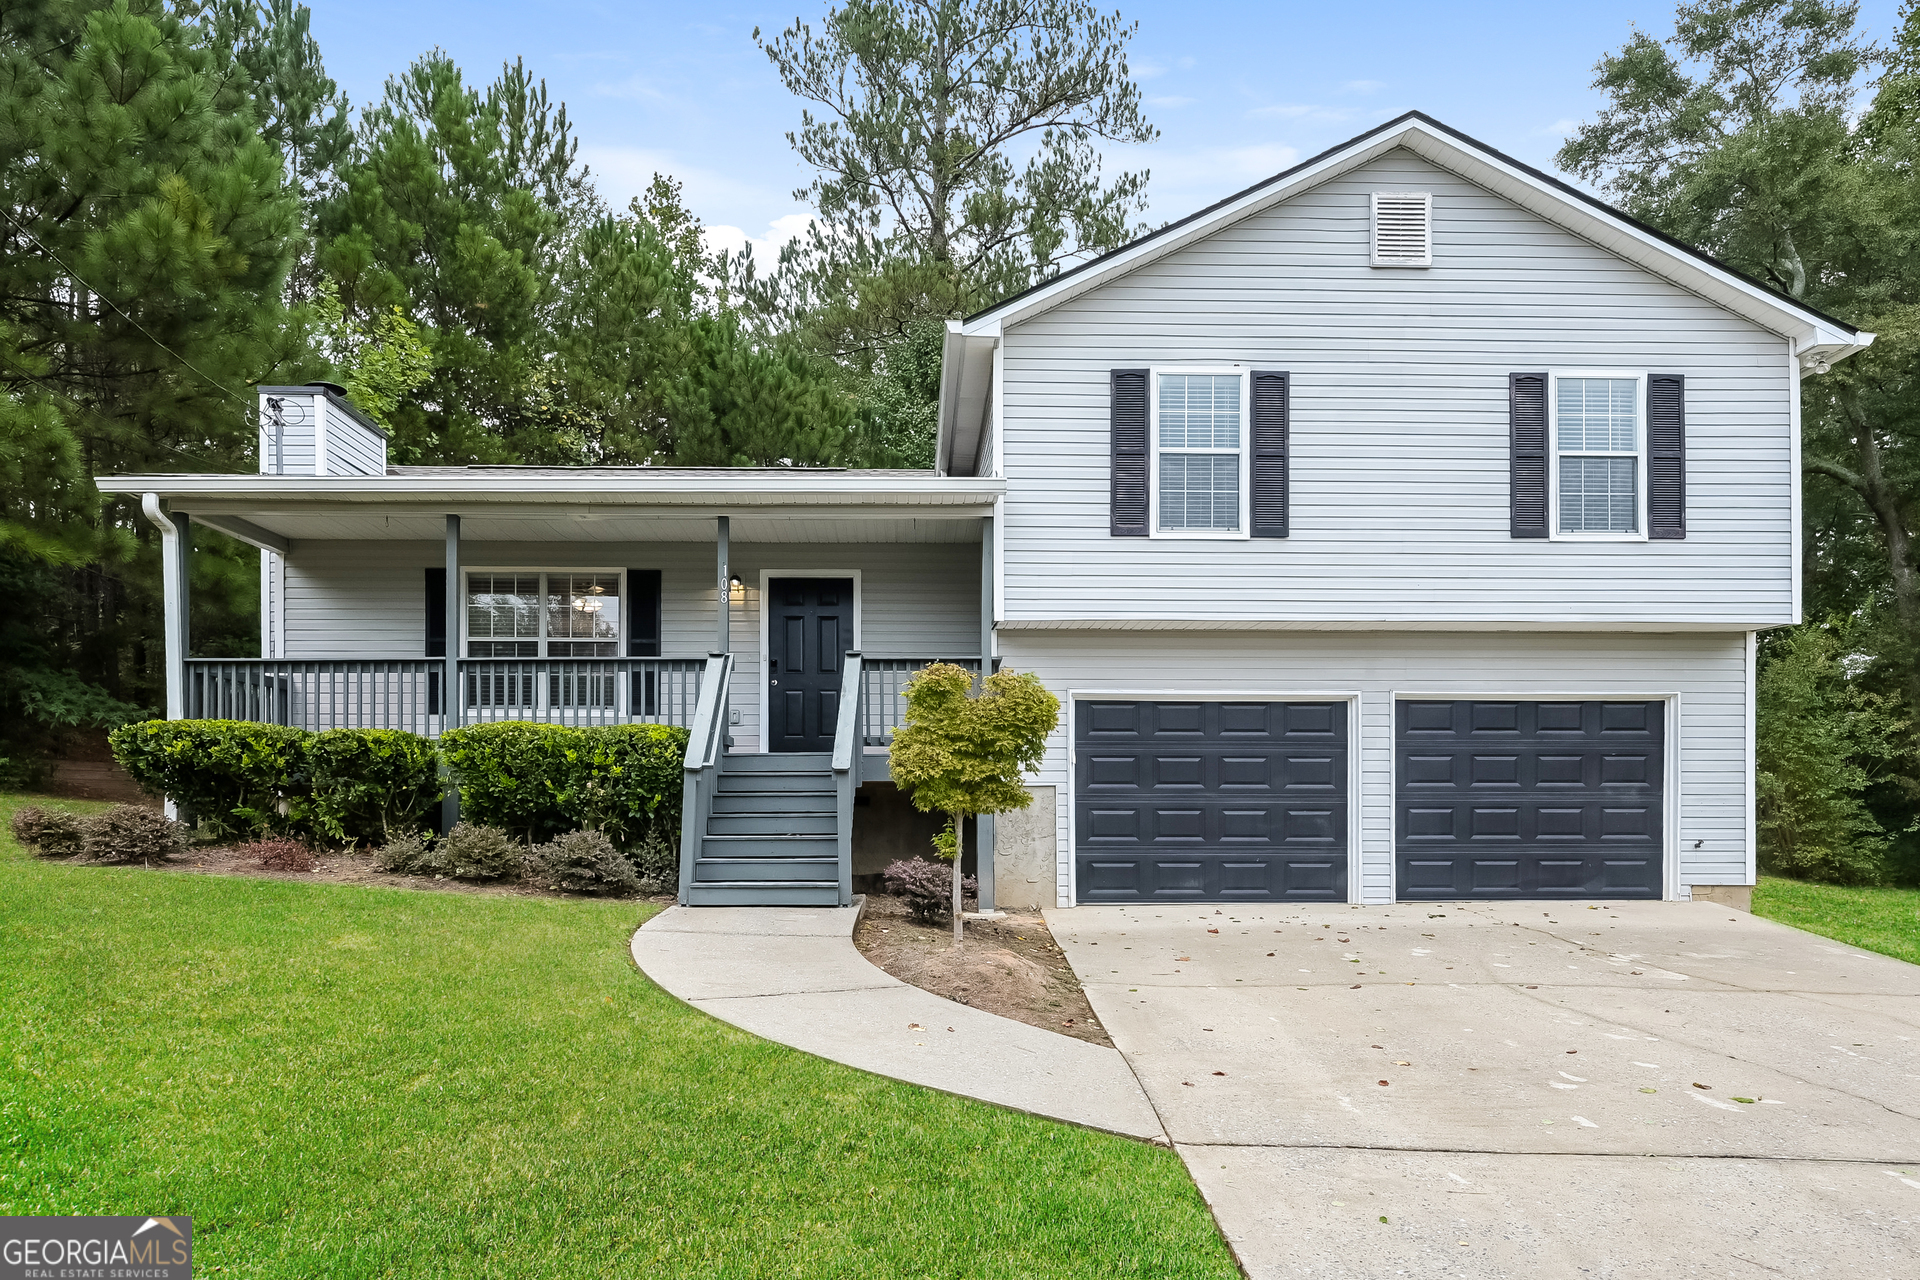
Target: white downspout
173 627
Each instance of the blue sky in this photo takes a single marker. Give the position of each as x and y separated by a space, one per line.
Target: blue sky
1239 91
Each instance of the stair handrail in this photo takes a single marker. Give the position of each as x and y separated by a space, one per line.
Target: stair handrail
705 740
849 746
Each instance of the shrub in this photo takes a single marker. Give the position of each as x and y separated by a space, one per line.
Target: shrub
407 855
235 777
474 852
51 833
538 780
231 776
510 774
581 862
129 833
279 854
625 780
926 886
656 859
1820 740
370 783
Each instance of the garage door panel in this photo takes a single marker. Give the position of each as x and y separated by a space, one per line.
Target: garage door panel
1529 799
1211 801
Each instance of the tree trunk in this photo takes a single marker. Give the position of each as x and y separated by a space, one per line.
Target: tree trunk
1882 498
959 840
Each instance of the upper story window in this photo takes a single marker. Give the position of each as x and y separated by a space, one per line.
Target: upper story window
1199 432
1598 434
555 615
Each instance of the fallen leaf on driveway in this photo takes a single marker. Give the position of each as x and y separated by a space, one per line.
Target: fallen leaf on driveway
1698 1085
1221 1073
1383 1082
1403 1064
1354 987
914 1026
1649 1090
1181 959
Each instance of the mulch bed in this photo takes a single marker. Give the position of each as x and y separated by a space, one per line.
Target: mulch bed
340 867
1009 966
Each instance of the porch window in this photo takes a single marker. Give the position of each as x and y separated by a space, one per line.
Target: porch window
532 615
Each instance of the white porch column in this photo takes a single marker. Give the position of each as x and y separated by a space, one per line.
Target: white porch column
174 546
983 825
722 631
452 696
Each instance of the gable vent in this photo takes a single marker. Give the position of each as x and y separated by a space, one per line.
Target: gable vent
1402 229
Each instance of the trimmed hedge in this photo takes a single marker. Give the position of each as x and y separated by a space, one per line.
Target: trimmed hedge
371 783
541 780
236 777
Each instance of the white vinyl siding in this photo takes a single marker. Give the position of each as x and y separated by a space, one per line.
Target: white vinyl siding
1399 465
1598 437
1707 790
367 599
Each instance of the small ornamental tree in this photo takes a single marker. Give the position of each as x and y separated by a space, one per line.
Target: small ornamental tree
959 753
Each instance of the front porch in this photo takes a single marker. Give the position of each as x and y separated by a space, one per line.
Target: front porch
773 614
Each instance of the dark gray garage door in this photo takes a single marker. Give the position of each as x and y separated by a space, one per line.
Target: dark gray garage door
1529 799
1210 801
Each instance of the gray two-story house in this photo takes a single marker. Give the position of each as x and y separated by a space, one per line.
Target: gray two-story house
1396 529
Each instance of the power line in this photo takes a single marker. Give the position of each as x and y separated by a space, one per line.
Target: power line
123 313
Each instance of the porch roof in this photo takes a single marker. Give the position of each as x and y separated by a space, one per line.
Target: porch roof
572 504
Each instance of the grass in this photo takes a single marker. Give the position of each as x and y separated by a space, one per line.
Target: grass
1883 920
346 1081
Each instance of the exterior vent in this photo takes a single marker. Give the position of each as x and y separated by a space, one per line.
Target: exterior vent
1402 229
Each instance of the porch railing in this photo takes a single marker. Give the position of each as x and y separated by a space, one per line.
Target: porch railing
882 680
405 693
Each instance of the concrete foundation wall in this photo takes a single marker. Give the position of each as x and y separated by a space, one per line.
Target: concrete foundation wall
1024 855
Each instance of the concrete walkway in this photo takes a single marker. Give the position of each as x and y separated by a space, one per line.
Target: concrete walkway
1513 1090
793 975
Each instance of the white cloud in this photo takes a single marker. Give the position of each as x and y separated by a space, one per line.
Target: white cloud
766 249
635 87
624 172
1363 86
1558 129
1303 111
1171 101
1146 69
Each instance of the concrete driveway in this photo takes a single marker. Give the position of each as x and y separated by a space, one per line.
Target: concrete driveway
1507 1090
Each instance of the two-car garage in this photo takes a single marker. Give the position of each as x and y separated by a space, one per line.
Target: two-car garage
1250 800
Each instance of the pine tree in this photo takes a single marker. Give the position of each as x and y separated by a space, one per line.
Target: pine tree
145 235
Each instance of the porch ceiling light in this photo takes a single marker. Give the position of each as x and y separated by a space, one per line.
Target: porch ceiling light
736 589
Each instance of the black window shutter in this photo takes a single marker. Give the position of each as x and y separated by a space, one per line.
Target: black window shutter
1527 445
1269 432
1128 418
643 613
1666 456
437 613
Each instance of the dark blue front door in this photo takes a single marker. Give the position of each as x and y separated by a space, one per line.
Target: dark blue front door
809 630
1210 801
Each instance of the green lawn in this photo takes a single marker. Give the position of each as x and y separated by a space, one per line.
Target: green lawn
1883 920
347 1081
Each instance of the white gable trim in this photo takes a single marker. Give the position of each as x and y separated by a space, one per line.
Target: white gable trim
1819 341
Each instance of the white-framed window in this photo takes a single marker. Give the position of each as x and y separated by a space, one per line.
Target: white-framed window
1597 454
530 613
1198 482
